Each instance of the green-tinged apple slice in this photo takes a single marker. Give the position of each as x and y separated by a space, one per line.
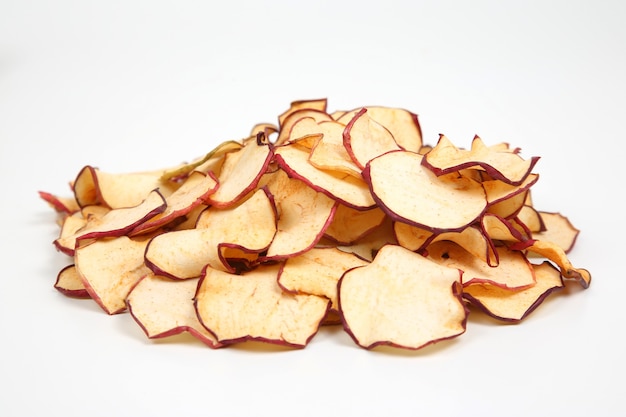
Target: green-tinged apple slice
344 188
195 189
408 192
515 305
116 222
317 272
252 306
163 307
557 255
329 153
401 299
303 216
109 268
506 166
182 254
349 224
403 125
241 172
95 187
558 229
211 159
365 139
70 283
513 269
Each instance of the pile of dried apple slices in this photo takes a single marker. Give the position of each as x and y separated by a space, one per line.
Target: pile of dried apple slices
324 218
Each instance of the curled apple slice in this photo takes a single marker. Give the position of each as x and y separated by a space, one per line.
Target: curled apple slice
236 308
515 305
401 299
70 283
408 192
506 166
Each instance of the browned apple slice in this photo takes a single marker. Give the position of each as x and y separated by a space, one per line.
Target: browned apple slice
515 305
506 166
241 172
195 189
163 307
349 224
236 308
116 222
109 268
303 216
182 254
317 272
70 283
403 125
513 269
408 192
401 299
346 189
365 139
95 187
557 255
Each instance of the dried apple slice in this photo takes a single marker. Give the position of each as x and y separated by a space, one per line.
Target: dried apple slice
329 153
182 254
114 223
109 268
95 187
70 283
201 164
241 172
556 254
403 125
236 308
62 205
318 104
163 307
505 166
193 192
317 272
515 305
558 229
513 270
408 192
303 216
346 189
286 135
531 219
401 299
507 200
365 139
349 224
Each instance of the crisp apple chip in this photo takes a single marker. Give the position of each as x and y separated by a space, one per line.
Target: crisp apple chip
318 218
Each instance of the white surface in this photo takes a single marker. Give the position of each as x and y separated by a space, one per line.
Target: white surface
128 86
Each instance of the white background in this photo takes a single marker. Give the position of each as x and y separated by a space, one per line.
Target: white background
135 85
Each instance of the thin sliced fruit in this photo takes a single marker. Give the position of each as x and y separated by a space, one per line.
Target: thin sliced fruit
236 308
163 308
409 192
401 299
